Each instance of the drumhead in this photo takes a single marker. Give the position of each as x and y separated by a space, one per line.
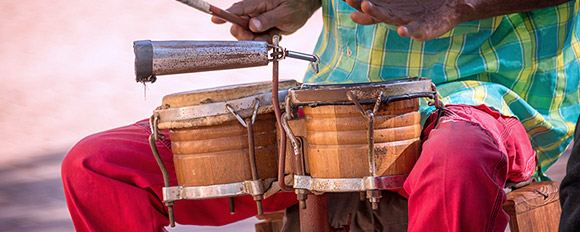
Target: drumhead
207 107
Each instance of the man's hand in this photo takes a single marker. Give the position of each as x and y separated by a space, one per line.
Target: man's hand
270 17
428 19
420 19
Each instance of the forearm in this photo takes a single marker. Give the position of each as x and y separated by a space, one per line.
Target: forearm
481 9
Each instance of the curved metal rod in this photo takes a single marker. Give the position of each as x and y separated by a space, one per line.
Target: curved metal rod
440 106
249 125
277 111
152 138
290 134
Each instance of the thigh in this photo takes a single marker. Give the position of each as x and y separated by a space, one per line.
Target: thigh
121 158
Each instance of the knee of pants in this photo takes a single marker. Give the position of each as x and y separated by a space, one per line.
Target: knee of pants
83 153
461 149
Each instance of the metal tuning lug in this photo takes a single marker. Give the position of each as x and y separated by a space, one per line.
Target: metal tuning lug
280 53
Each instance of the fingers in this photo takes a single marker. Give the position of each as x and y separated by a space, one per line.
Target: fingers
358 17
243 34
413 29
384 12
217 20
249 7
363 19
354 4
367 15
267 36
269 19
243 8
368 7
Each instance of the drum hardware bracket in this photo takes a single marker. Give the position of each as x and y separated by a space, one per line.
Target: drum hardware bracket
301 194
249 124
248 187
296 144
367 183
280 53
155 135
255 106
289 108
373 195
276 51
438 105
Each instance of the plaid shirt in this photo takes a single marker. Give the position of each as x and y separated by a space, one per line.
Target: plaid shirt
524 65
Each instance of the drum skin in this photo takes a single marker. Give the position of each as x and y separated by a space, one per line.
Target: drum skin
338 142
211 155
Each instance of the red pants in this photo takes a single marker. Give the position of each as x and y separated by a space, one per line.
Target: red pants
112 182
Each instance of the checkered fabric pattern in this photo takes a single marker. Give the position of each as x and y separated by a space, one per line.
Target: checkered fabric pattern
524 65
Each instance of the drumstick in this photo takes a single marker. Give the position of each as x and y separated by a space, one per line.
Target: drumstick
210 9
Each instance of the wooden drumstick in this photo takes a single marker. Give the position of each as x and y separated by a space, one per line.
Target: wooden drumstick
210 9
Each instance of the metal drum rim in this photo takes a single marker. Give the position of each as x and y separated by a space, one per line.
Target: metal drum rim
399 89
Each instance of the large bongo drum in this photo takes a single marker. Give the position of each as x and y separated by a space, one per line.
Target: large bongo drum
224 140
358 137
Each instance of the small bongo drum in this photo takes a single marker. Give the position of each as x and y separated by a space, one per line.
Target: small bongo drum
223 140
358 137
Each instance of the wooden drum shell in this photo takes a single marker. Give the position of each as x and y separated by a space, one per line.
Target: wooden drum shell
211 155
209 145
338 144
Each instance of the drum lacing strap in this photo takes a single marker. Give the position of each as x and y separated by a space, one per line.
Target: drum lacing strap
249 124
155 135
372 195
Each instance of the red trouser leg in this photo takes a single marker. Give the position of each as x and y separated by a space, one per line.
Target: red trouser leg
457 183
113 183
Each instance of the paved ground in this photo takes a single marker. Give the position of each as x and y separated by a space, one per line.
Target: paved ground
32 199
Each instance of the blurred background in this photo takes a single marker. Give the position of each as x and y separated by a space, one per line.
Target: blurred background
67 72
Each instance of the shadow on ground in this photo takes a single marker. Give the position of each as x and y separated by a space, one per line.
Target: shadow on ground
32 197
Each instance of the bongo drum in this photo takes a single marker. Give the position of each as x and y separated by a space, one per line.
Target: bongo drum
359 137
223 140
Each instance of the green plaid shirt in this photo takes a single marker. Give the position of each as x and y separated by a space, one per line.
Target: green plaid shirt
524 65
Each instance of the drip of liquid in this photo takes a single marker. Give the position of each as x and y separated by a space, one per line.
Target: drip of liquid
144 91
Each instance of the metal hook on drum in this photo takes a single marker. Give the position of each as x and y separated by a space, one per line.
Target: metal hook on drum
302 194
438 105
249 124
373 195
155 135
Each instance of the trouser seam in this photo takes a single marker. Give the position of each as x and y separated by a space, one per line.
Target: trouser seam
500 163
499 196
